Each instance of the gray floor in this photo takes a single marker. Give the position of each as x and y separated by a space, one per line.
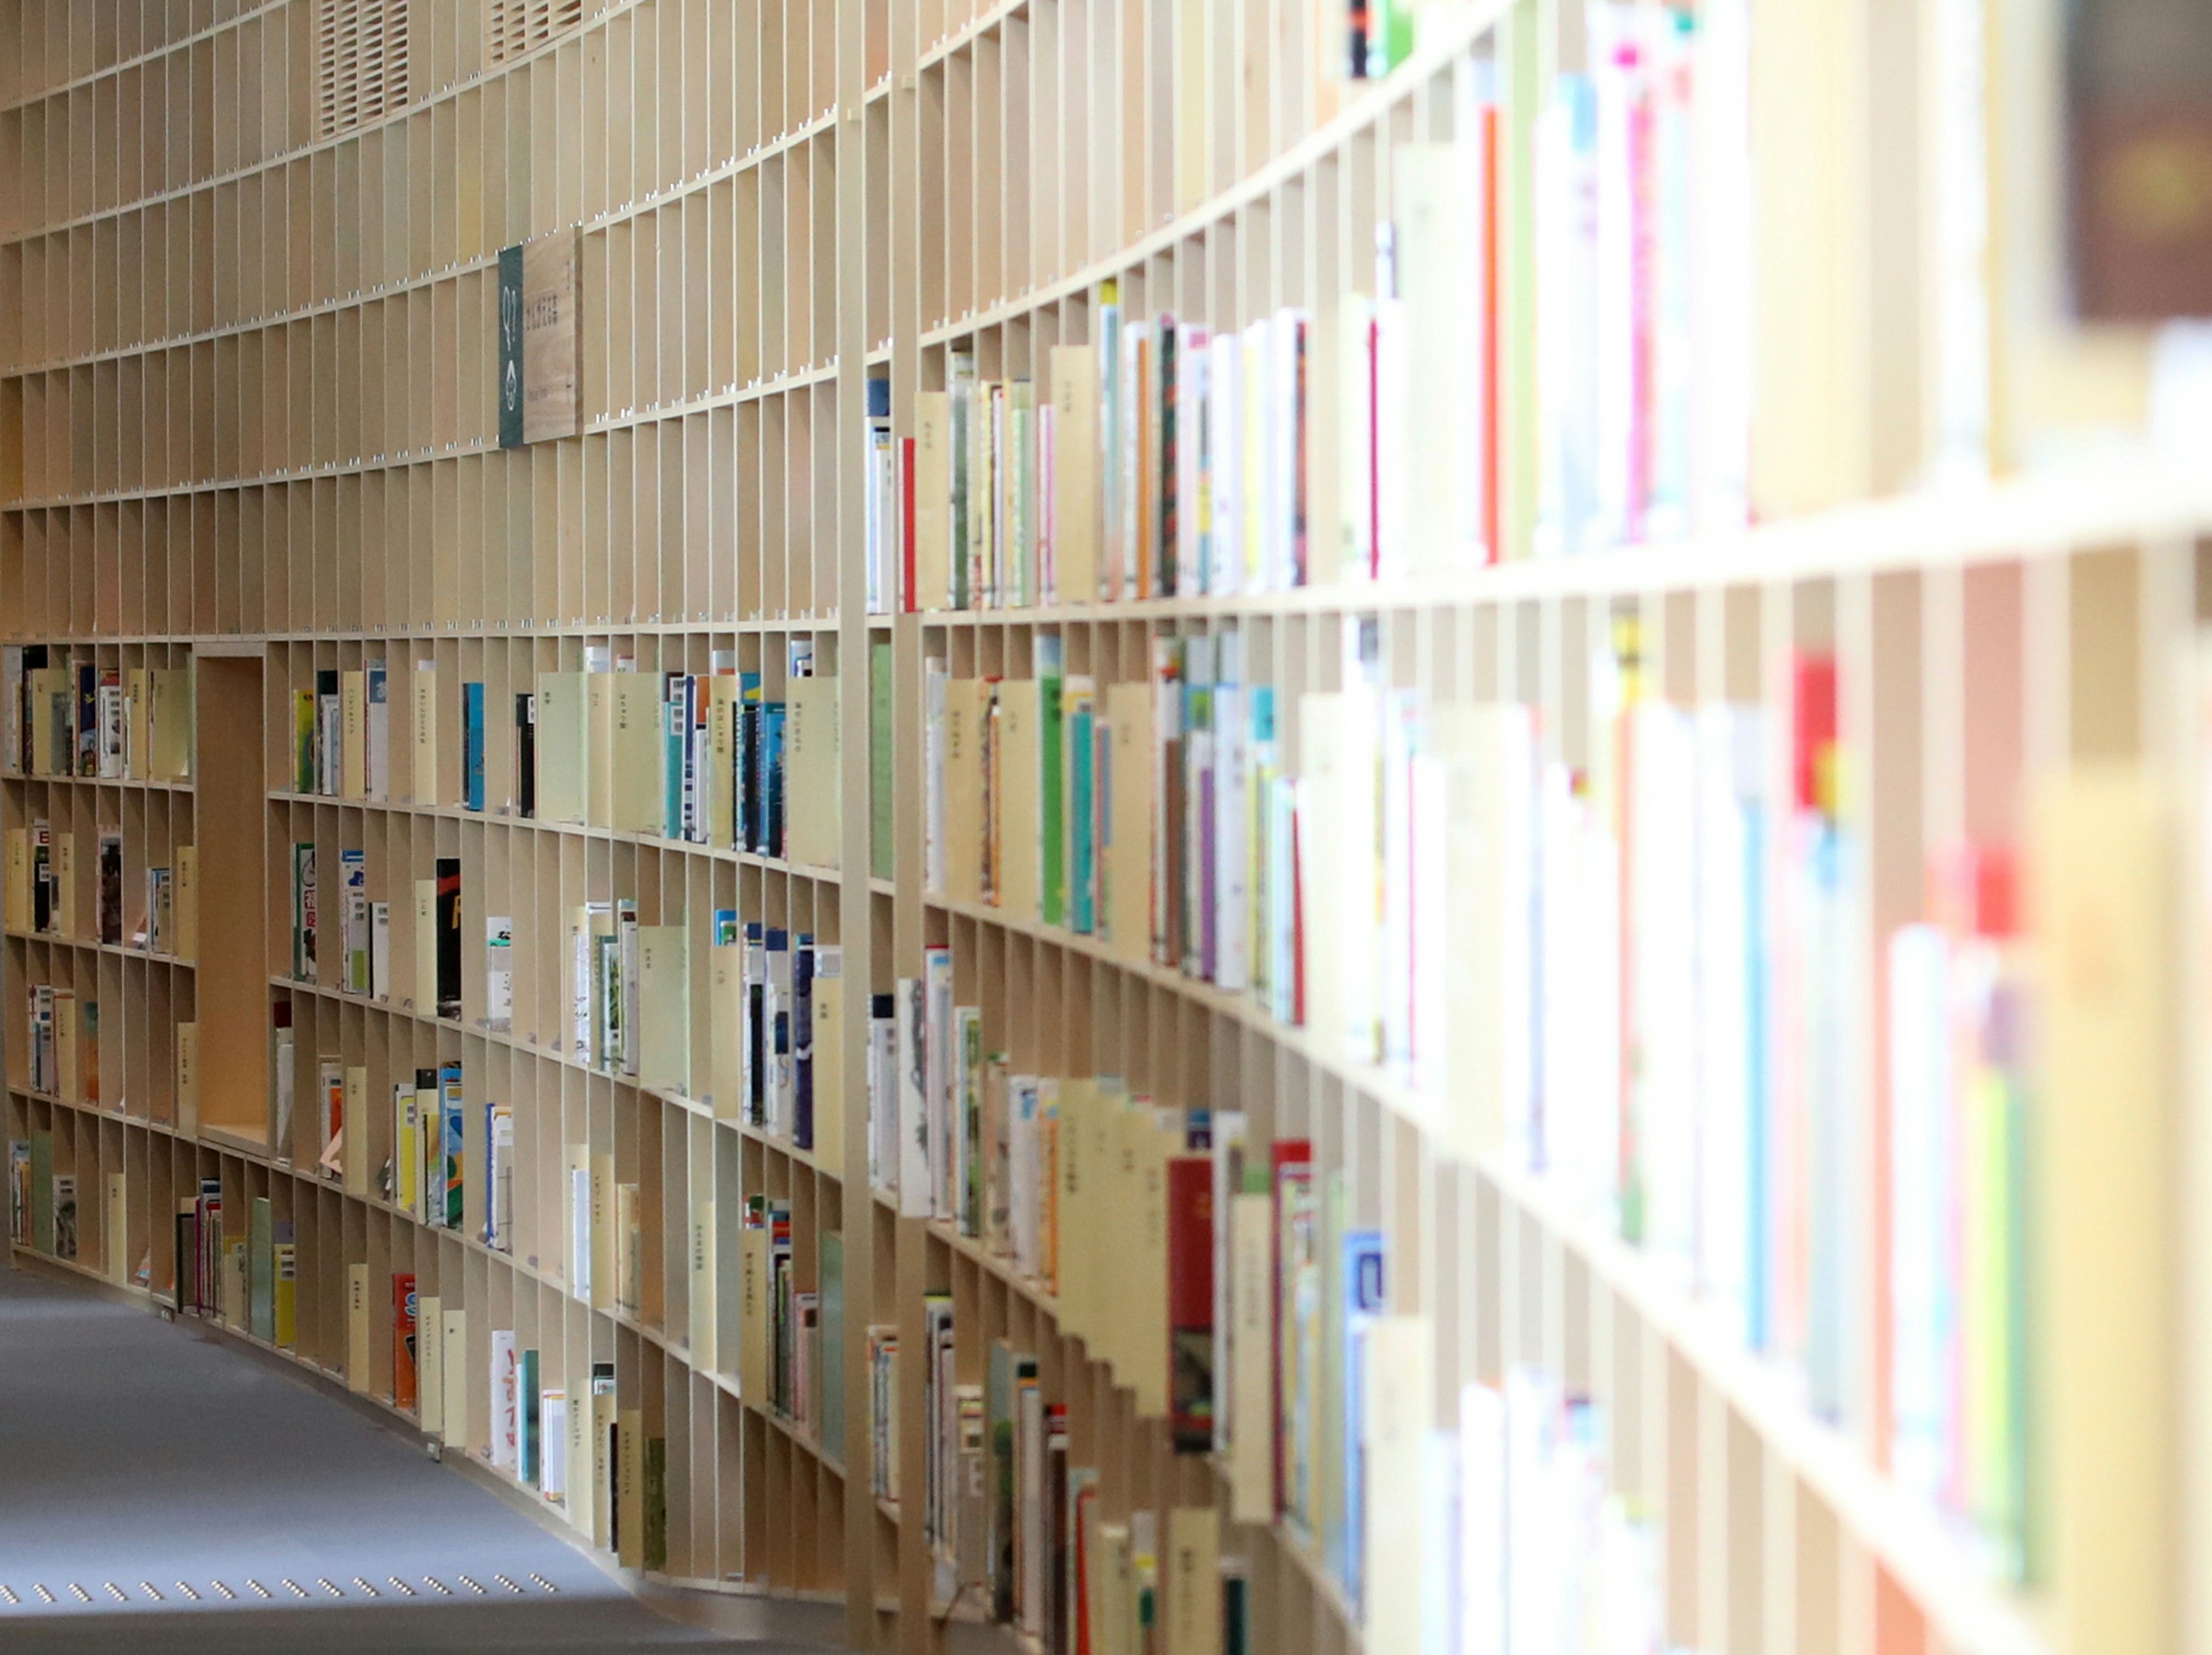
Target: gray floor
157 1461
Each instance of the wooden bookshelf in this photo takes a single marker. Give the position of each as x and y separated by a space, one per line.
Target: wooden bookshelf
250 428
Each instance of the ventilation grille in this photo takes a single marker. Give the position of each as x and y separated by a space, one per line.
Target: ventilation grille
513 27
362 61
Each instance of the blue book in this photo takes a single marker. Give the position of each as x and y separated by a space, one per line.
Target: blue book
1082 815
528 1401
1365 1299
452 1139
750 797
673 780
772 779
472 744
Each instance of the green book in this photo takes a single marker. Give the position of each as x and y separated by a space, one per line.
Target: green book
656 1502
1082 814
1051 794
831 1369
880 780
261 1272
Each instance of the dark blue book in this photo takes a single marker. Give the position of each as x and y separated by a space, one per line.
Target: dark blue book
472 745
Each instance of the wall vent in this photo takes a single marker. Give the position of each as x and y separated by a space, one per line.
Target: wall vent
362 60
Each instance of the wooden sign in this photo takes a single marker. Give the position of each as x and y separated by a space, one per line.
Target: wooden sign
539 289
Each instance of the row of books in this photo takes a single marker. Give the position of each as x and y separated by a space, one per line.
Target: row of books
41 891
65 716
249 1281
364 963
1167 459
42 1203
61 1049
707 758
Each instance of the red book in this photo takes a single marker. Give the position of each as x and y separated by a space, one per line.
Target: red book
906 516
1813 732
1190 1302
403 1339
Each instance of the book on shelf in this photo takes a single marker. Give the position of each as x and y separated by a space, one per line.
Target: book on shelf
108 909
305 914
431 1365
353 890
499 974
472 745
404 1388
283 1070
358 1322
499 1177
453 1373
448 944
524 785
506 1398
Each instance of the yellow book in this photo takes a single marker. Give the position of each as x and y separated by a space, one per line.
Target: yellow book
640 740
606 1223
599 747
722 706
727 995
704 1355
284 1296
116 1250
1078 1143
184 902
170 730
830 1057
138 703
356 1128
664 993
430 1379
67 1044
1017 798
1194 1584
357 1329
453 1369
1075 473
753 1312
407 1151
563 750
1250 1465
1399 1407
583 1472
1130 855
353 725
188 1078
814 820
426 784
64 883
964 703
2103 1208
18 893
933 500
426 946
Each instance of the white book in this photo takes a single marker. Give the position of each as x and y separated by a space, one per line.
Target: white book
553 1436
506 1403
430 1343
499 1173
913 1166
941 1066
376 738
579 1225
884 1101
380 950
499 973
1481 1521
453 1370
